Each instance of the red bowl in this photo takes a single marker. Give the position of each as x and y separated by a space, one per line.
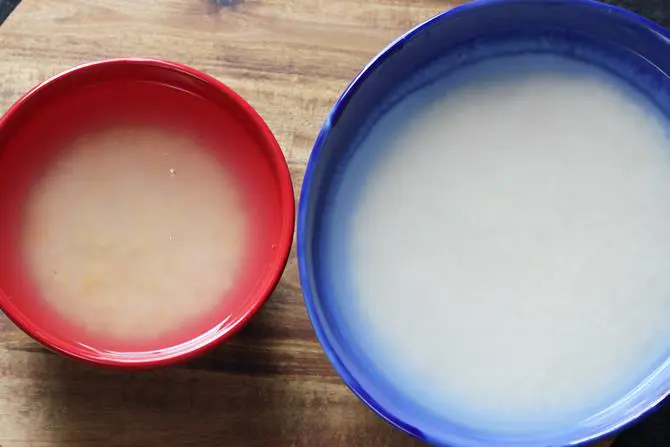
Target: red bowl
167 94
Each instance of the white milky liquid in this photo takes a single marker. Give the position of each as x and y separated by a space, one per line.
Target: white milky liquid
134 233
510 249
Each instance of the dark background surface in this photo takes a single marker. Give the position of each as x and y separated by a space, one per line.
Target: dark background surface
655 430
656 10
6 6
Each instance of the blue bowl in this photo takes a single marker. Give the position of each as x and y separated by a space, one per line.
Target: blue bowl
630 46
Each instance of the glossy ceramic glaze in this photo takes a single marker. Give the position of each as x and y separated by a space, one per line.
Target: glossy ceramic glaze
167 94
639 49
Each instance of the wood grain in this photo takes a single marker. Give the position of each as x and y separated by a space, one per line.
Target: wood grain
271 385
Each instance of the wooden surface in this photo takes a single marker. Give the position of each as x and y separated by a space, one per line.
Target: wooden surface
271 385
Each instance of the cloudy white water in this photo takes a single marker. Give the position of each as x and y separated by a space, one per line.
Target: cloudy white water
509 249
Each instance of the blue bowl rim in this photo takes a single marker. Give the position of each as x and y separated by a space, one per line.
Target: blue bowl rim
307 191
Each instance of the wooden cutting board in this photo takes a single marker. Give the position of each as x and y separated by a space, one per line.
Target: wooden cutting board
271 385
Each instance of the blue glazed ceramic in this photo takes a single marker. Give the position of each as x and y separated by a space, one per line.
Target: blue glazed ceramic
630 46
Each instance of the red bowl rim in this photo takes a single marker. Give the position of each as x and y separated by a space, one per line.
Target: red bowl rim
208 339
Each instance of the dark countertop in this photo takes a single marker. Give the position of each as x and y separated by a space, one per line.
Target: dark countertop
656 10
6 7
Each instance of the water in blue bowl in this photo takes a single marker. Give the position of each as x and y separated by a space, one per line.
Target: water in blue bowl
485 238
504 236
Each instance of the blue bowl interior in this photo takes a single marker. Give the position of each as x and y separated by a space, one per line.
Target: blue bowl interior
631 47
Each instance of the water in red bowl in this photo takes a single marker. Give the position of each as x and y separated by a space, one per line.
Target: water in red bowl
147 212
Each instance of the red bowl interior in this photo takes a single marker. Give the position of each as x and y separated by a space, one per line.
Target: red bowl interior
160 93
